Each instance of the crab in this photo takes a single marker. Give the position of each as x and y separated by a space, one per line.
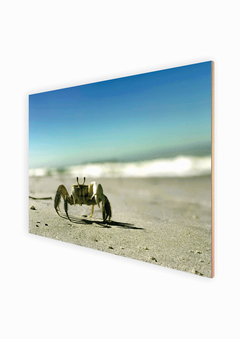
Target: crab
83 195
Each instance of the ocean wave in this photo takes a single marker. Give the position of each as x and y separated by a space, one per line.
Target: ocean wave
181 166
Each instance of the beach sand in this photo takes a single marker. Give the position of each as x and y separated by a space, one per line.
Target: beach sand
164 221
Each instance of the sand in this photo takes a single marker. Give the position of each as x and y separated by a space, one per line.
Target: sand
163 221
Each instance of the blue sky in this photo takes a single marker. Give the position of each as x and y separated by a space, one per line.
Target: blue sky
121 118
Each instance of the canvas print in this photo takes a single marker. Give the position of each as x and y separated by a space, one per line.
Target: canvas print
125 166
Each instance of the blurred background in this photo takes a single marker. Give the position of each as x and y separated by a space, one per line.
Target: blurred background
152 124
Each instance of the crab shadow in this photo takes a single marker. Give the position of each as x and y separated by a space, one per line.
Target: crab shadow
106 224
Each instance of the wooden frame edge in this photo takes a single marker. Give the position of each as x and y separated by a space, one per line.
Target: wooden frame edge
213 168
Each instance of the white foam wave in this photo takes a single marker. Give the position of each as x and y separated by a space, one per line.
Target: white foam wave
180 166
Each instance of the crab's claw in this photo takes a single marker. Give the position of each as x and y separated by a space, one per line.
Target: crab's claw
96 192
99 195
106 207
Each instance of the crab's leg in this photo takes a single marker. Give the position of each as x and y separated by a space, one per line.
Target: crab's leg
90 216
62 192
66 207
106 209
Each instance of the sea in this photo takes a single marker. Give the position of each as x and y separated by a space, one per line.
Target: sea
179 166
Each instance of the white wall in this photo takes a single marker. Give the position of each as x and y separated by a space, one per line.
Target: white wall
50 289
